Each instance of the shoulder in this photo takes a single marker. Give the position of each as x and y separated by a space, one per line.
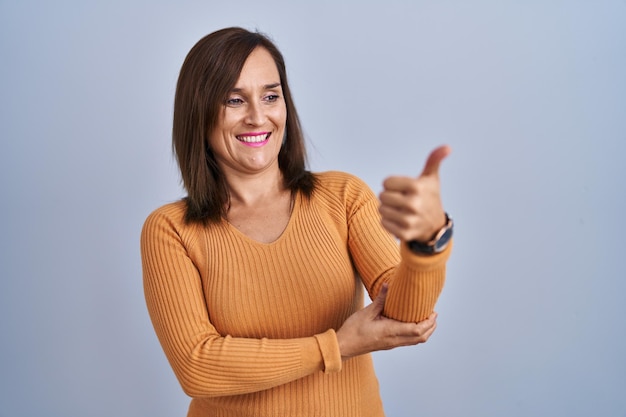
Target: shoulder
342 185
168 221
172 213
343 191
334 181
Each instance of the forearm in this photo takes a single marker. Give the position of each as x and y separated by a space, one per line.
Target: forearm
208 363
416 285
219 366
415 281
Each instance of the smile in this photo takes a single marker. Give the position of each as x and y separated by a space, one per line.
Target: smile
254 140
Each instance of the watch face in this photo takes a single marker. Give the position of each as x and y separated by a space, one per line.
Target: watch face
442 242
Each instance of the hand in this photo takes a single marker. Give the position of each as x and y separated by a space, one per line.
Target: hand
411 208
368 330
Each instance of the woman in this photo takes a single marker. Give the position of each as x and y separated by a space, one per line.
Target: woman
254 282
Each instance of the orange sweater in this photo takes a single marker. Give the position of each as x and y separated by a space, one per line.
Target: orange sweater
249 328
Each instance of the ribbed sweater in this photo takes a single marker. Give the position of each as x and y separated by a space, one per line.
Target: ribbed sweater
249 327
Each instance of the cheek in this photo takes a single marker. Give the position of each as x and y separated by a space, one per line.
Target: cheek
223 128
280 117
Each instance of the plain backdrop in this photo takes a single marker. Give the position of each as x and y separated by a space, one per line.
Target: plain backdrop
531 95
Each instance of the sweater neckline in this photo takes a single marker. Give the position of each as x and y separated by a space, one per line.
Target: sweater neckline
292 218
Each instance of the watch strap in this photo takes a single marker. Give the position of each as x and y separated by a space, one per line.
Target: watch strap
437 244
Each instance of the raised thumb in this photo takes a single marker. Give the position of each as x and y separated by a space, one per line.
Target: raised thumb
434 160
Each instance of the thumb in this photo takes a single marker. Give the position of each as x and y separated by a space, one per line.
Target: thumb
379 302
434 160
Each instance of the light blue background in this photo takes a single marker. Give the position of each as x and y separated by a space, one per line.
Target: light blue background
531 95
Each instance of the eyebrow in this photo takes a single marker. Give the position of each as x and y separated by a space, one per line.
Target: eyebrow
265 87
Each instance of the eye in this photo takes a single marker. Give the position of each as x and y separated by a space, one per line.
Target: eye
271 98
234 102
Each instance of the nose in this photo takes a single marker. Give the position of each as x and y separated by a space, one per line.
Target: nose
255 116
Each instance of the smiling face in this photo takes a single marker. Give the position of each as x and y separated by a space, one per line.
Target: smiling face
248 135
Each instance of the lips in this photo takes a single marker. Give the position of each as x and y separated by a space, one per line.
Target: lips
256 139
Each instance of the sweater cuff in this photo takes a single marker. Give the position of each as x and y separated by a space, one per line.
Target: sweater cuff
329 348
425 262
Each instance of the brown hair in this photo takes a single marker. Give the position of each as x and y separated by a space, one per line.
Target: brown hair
208 73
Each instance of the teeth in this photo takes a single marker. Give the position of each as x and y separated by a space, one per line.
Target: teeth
253 139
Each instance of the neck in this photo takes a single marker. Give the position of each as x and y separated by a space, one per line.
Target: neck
250 190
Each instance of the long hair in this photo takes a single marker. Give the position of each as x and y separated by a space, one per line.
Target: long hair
209 72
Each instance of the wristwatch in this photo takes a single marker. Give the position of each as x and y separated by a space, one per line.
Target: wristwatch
437 244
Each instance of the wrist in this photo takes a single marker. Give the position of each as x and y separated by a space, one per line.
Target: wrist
437 244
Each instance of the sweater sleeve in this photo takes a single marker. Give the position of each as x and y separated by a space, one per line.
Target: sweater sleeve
415 281
205 362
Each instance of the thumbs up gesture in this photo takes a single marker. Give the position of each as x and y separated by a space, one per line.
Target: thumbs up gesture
411 208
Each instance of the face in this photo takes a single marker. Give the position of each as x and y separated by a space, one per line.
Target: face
251 125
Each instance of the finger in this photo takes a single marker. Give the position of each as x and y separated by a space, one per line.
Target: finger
434 160
424 326
429 332
399 184
398 228
399 201
400 214
408 334
427 323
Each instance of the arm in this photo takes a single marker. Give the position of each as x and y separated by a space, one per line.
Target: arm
205 362
368 330
414 281
411 209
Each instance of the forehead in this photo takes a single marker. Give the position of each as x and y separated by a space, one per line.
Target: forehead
259 68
